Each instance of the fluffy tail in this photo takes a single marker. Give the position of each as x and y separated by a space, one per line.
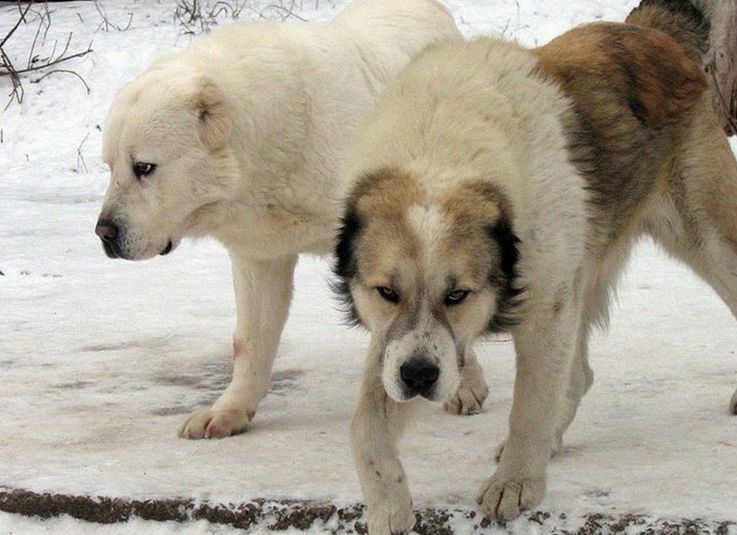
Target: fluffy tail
680 19
707 31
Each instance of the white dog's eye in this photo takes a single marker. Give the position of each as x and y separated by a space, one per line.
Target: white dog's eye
456 297
388 294
143 169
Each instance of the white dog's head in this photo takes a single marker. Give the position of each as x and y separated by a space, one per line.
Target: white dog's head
164 138
426 275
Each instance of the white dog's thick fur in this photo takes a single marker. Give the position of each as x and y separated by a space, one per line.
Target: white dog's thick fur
242 136
499 188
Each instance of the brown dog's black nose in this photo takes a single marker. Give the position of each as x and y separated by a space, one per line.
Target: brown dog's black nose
106 230
419 375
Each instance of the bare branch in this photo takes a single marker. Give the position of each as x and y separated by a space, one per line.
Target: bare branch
80 157
34 61
51 63
106 20
65 71
731 126
21 18
286 12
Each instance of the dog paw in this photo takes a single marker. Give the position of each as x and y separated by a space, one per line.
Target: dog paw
209 423
733 403
505 499
469 398
391 517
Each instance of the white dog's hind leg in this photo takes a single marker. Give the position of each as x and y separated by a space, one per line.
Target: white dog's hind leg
375 429
470 397
545 347
263 291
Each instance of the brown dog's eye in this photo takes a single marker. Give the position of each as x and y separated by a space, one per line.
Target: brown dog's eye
389 294
143 169
456 297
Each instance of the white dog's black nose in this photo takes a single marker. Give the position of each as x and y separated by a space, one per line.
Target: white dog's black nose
419 375
106 230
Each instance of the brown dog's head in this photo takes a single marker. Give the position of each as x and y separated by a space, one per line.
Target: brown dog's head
426 275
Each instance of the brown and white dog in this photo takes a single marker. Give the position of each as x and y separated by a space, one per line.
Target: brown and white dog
501 188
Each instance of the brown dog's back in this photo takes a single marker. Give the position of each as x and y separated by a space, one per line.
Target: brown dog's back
632 89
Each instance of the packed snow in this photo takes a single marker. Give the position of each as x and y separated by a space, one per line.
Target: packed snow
102 360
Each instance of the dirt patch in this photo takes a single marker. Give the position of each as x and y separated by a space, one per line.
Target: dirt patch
280 515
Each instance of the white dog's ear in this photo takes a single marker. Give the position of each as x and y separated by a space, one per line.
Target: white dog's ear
215 124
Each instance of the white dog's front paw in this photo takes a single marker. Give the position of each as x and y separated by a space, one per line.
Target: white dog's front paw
505 499
391 516
209 423
470 396
733 403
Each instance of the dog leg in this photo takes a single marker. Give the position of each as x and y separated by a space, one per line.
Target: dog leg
470 397
696 222
712 260
582 377
545 350
263 291
375 429
721 274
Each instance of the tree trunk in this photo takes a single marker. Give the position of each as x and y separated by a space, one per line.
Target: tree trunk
720 62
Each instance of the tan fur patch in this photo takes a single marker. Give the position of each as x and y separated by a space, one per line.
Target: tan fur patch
689 32
474 200
382 198
473 207
633 90
647 67
387 192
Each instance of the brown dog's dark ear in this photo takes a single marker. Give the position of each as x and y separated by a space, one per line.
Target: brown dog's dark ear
345 267
212 112
504 276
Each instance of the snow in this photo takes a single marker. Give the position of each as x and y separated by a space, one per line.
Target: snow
20 525
101 360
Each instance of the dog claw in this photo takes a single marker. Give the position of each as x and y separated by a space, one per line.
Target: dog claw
505 499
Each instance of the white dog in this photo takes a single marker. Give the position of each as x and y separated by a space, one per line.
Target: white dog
241 136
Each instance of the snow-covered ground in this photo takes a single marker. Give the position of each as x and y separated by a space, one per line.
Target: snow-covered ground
101 360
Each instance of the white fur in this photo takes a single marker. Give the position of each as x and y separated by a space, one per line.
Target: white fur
249 128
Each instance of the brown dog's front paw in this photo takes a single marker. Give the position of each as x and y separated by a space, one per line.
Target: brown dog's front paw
470 396
391 517
505 499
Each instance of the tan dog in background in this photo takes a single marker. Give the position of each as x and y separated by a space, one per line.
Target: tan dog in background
500 188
